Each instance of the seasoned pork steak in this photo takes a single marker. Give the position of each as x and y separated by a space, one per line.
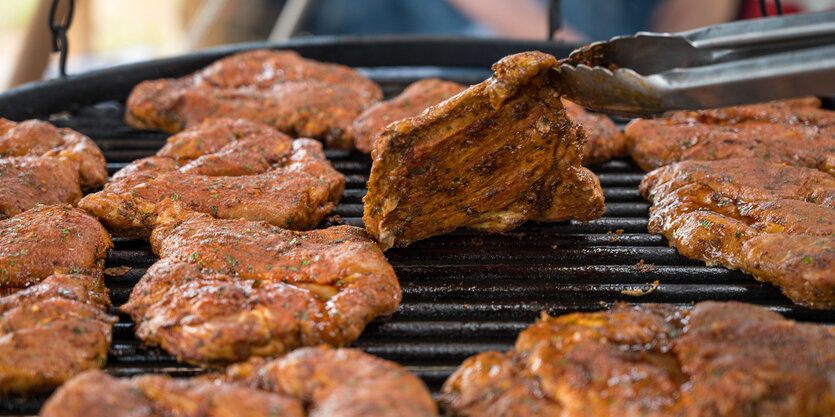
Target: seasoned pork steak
316 382
716 360
49 240
603 139
52 331
794 132
226 290
41 164
228 168
498 154
771 220
298 96
414 99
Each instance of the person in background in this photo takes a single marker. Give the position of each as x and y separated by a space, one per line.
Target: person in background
207 23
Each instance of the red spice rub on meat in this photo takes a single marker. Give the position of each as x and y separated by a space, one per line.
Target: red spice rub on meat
716 360
53 330
298 96
603 139
41 164
229 168
416 98
53 323
47 240
314 382
794 132
226 290
496 155
771 220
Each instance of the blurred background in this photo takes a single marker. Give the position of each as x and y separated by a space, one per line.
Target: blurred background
109 32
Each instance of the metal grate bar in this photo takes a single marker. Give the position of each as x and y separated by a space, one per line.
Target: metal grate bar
464 292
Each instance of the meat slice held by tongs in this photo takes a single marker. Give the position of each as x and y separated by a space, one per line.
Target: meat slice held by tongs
715 66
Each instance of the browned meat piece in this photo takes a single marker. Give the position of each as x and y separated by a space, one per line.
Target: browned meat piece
416 98
228 168
28 181
796 133
52 331
41 164
42 139
297 96
498 154
771 220
603 139
96 394
50 240
804 111
716 360
339 382
308 382
225 290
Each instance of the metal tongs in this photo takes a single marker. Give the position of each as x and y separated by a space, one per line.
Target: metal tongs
716 66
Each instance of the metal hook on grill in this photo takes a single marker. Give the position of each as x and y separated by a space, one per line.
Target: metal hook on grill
554 17
777 4
59 34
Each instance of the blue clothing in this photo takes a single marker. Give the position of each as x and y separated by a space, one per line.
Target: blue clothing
380 17
597 19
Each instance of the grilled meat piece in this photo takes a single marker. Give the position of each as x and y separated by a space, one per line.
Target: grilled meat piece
225 290
50 240
42 139
28 181
96 394
308 382
803 111
298 96
339 382
41 164
416 98
603 139
229 169
716 360
795 132
771 220
498 154
52 331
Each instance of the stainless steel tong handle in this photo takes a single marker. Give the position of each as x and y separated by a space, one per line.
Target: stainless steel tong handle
724 65
773 29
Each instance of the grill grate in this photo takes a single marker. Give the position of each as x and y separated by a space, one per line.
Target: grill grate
464 292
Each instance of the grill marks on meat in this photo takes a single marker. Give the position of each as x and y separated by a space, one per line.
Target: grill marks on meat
41 164
771 220
603 139
308 382
52 331
48 240
227 168
416 98
226 290
498 154
298 96
794 132
719 359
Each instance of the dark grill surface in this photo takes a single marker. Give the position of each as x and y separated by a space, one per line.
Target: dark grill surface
465 292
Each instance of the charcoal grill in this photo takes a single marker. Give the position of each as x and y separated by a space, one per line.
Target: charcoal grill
464 292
